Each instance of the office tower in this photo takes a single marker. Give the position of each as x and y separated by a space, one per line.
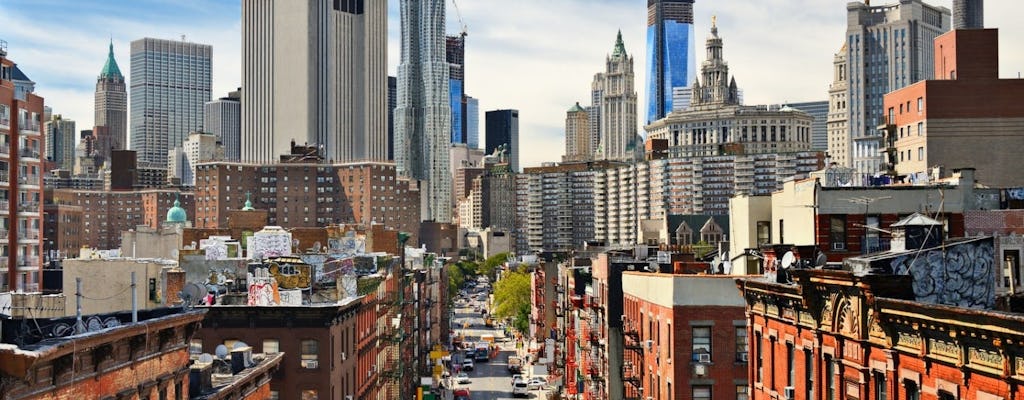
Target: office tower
111 107
618 139
838 113
170 82
671 57
60 141
503 130
577 135
21 179
223 117
314 72
455 54
888 47
423 112
472 122
819 111
392 102
968 14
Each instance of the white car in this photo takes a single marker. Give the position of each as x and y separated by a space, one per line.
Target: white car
467 365
462 377
519 388
537 383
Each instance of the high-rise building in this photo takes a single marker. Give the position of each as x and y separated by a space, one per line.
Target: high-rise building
423 112
170 82
577 135
472 122
111 108
819 111
455 53
223 117
314 72
671 53
392 102
618 134
838 112
199 147
60 141
968 14
21 179
503 130
888 47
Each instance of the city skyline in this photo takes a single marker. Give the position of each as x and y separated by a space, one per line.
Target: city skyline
515 64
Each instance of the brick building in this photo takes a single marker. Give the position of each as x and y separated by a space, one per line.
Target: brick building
685 336
966 116
118 359
307 194
107 213
62 231
21 178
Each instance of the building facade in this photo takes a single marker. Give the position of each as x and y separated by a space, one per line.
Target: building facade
223 117
887 47
455 54
838 112
503 131
107 213
818 110
578 143
314 72
473 122
423 112
618 139
671 54
60 142
555 209
111 107
968 14
21 179
170 82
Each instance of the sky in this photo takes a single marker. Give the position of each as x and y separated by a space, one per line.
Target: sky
537 56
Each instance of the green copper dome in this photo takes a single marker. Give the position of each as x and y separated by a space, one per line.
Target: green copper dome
110 69
248 203
577 108
620 48
176 214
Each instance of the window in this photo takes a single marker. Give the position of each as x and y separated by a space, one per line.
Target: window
920 129
741 392
808 374
871 239
741 344
195 346
764 232
837 232
310 352
702 393
944 395
309 394
790 367
830 378
782 231
913 393
920 154
274 395
271 346
759 361
701 343
880 387
920 105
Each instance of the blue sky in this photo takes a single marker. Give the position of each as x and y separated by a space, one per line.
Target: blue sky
538 56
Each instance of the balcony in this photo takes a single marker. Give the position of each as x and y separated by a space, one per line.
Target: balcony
29 207
29 153
5 149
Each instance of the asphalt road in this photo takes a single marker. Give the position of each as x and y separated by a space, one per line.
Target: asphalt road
488 380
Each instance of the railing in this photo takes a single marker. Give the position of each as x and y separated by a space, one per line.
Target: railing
29 153
874 245
5 148
28 207
28 260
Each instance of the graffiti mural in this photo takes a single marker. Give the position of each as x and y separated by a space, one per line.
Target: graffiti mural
263 289
960 274
272 241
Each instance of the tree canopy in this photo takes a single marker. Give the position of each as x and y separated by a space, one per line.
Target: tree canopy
512 299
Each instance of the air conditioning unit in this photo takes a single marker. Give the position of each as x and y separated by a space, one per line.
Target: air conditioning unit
310 364
704 357
838 246
789 392
744 357
343 356
649 344
699 370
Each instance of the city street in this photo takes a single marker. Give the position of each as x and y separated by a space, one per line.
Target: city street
488 380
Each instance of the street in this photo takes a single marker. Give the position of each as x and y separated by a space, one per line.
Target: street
488 380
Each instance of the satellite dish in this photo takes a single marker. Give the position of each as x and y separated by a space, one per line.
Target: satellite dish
205 358
821 260
239 345
222 351
787 260
192 294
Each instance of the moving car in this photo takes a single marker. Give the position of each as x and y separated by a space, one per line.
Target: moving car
516 377
461 394
467 365
519 388
537 383
462 377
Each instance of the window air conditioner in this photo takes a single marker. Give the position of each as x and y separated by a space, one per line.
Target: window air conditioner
789 392
743 357
309 364
704 357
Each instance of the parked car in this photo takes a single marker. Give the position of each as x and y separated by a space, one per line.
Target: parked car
462 377
517 377
537 383
461 394
519 388
467 365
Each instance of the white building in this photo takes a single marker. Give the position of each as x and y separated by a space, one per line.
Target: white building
618 133
223 117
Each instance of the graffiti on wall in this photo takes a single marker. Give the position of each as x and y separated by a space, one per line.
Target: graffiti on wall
263 290
958 275
270 242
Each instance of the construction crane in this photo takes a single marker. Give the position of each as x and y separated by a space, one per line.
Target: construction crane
462 24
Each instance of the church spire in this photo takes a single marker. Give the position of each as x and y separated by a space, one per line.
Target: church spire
620 48
110 69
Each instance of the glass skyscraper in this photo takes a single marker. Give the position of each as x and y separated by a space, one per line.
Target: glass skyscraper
170 83
455 52
671 57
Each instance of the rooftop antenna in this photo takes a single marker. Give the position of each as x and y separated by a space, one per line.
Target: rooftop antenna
183 37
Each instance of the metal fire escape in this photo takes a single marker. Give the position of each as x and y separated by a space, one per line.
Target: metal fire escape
632 361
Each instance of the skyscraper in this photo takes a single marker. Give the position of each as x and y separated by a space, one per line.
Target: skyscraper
838 112
423 113
472 122
968 14
503 129
60 141
111 108
455 53
671 54
578 146
618 139
888 47
314 72
223 117
170 82
392 102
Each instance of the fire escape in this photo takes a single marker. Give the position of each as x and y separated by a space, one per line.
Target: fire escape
632 361
594 369
398 373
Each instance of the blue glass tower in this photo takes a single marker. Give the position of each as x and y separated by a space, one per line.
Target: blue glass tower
455 54
671 55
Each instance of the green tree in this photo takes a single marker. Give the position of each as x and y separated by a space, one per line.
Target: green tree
488 266
512 299
456 278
